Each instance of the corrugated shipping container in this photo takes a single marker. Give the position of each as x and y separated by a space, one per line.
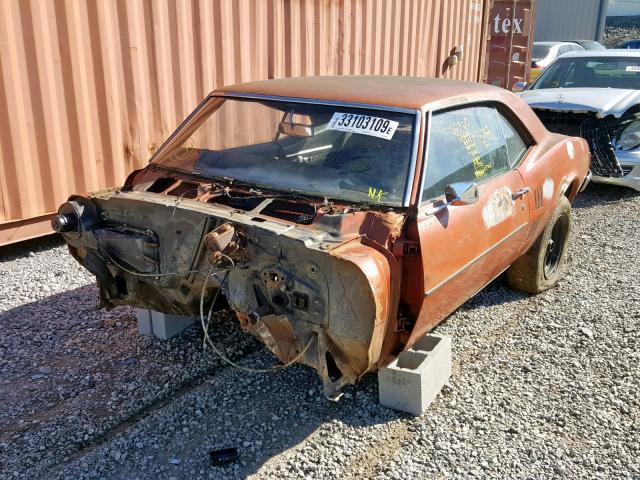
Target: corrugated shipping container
89 89
570 20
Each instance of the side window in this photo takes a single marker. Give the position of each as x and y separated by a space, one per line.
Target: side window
564 49
465 145
516 146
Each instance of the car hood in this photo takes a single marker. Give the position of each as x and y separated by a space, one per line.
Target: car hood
602 101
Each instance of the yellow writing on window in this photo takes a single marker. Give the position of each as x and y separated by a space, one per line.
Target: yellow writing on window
472 140
376 194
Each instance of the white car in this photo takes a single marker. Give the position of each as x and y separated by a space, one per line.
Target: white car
546 52
595 95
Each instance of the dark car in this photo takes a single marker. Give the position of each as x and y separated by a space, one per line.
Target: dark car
589 44
630 44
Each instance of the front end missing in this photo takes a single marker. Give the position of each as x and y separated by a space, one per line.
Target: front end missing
598 132
325 304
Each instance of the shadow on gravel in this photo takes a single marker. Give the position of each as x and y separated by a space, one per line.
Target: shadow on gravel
601 193
295 411
496 293
23 249
261 415
73 378
308 414
71 375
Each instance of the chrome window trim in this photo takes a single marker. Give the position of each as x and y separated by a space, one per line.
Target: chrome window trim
336 103
523 153
413 160
184 122
425 156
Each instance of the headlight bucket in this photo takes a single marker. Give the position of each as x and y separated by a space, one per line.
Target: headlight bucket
630 137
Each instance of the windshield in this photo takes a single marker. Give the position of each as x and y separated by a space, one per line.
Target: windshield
592 72
338 152
540 52
591 45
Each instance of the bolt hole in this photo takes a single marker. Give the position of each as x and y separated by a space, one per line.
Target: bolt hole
280 300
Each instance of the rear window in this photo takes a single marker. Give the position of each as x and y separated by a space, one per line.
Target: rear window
540 52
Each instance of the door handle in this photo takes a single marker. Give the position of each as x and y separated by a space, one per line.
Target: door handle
520 193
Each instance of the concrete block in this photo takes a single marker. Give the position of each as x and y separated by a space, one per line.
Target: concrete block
413 380
161 325
144 322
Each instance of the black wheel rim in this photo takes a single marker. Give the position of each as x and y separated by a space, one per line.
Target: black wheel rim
555 247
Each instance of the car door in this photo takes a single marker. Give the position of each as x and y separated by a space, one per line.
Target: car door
464 247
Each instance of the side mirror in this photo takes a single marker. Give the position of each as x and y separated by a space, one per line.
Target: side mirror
461 193
520 87
457 194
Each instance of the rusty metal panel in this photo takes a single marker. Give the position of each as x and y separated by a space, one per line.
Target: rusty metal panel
509 41
89 90
461 24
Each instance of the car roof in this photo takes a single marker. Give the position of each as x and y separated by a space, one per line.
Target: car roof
399 92
552 44
603 53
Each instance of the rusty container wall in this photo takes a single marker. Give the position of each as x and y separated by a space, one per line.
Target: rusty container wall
510 32
89 89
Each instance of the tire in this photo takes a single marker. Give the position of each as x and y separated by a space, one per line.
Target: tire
543 264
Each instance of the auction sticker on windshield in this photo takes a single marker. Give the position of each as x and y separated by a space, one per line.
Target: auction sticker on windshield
363 124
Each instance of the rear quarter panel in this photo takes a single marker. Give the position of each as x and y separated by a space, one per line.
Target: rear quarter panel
556 166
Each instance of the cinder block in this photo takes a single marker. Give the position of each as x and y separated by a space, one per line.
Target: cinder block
414 379
144 322
161 325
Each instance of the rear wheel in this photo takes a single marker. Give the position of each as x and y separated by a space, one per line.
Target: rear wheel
543 264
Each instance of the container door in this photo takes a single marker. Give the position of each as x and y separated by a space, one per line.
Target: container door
509 42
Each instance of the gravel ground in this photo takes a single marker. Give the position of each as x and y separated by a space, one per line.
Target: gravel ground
619 29
543 386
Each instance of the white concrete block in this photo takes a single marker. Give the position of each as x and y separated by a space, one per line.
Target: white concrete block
144 322
161 325
414 379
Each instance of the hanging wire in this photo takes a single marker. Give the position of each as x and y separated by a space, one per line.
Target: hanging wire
154 275
207 340
205 324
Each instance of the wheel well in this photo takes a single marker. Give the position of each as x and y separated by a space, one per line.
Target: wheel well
571 190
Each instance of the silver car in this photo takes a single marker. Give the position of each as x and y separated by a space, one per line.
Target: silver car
595 95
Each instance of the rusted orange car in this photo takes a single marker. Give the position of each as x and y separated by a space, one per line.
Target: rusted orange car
341 218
